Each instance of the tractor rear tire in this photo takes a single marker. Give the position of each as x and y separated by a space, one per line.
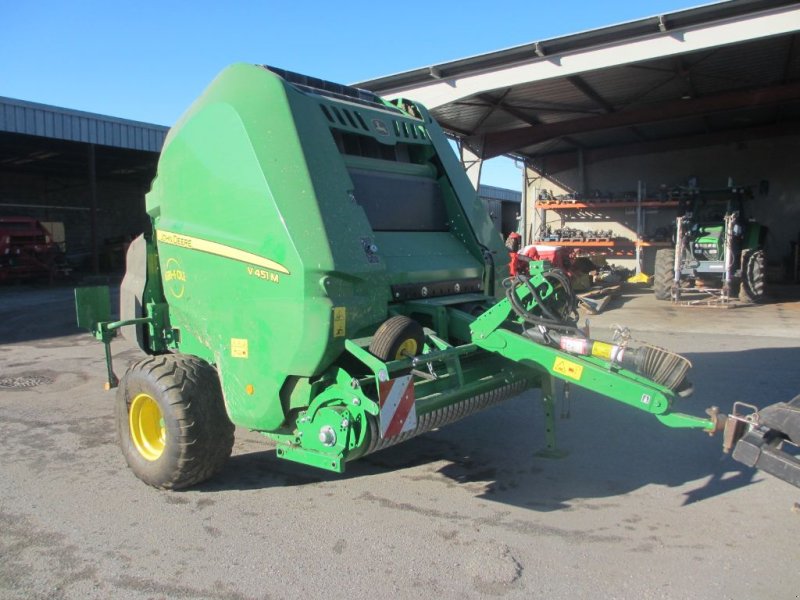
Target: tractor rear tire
664 276
171 421
398 337
754 269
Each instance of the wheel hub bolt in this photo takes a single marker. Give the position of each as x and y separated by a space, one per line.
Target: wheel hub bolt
327 436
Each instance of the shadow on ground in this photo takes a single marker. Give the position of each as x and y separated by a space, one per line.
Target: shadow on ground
34 312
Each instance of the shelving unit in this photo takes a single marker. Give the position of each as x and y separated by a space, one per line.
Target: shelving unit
588 210
566 205
609 244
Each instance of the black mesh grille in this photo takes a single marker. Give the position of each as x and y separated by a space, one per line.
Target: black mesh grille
329 88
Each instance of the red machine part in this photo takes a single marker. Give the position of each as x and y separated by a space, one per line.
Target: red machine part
558 256
27 249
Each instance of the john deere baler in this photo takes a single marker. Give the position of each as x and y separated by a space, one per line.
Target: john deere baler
321 270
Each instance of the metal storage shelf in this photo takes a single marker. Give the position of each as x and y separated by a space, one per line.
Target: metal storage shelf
610 204
589 210
609 244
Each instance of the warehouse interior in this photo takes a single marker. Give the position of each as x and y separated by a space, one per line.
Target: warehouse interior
82 175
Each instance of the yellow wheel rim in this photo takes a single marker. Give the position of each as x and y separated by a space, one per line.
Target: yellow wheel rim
407 348
147 427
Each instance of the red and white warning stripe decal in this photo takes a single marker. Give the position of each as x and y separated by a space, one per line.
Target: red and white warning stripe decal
398 412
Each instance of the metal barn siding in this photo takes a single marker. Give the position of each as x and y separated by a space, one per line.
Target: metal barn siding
30 118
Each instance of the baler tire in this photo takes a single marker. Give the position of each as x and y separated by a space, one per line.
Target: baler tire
397 337
664 275
754 269
195 435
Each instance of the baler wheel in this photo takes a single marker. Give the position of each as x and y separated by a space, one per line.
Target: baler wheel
171 421
398 337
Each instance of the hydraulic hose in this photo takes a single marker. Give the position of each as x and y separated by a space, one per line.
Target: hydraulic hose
566 321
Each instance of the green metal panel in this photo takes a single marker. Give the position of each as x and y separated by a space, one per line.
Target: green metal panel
753 236
478 221
92 306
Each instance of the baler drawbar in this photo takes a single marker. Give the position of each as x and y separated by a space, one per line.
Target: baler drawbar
321 270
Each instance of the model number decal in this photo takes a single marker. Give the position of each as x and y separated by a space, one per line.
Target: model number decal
263 274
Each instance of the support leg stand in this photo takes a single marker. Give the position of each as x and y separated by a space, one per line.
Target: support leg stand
550 449
106 337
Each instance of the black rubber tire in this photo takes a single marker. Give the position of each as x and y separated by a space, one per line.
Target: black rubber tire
754 267
395 335
199 435
664 276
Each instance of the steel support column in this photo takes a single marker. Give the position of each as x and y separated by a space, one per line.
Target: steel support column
93 209
530 218
472 159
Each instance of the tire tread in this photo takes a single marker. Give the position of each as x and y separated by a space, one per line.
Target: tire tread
664 275
753 279
189 388
392 332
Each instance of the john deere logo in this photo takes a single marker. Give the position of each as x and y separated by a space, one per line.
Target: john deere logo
380 127
174 278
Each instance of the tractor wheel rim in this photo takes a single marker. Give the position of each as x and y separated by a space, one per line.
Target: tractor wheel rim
406 349
147 427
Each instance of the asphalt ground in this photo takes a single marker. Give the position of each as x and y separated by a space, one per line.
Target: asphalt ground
635 510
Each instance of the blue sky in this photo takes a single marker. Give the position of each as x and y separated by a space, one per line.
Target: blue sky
148 60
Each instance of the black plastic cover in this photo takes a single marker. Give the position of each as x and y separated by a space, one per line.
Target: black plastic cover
435 289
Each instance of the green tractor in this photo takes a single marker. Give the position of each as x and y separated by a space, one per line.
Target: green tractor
717 250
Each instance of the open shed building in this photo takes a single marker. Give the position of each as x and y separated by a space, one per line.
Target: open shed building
615 125
81 174
85 176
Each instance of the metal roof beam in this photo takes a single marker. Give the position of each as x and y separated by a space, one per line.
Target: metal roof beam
551 107
518 114
563 161
684 71
790 52
508 141
492 105
587 90
579 83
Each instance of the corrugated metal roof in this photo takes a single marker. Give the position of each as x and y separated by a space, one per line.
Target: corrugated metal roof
31 118
491 192
587 39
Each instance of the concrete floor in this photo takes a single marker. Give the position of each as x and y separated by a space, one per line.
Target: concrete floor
634 511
